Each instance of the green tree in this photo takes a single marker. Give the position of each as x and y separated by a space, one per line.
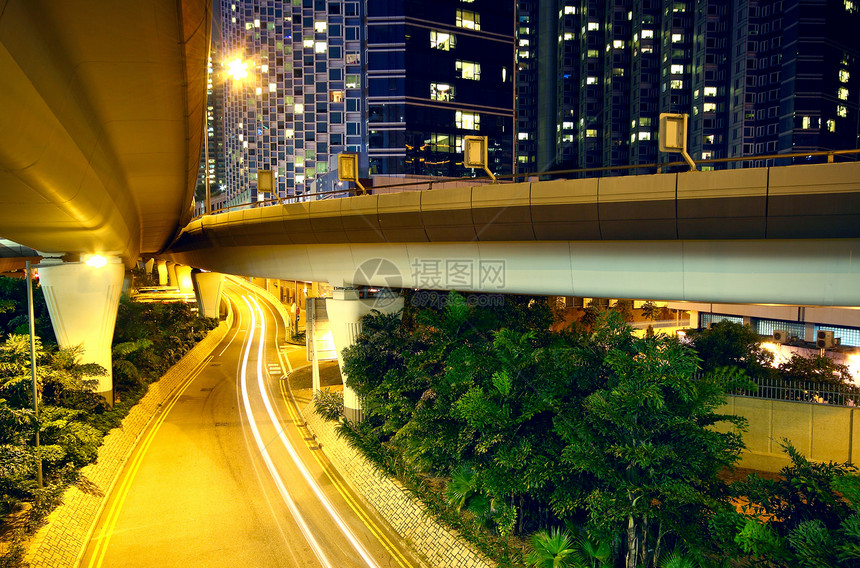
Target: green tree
732 344
650 310
646 437
815 368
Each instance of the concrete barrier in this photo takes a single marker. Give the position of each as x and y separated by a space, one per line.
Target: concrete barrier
821 432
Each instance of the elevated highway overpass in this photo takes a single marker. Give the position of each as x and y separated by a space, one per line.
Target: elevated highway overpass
767 235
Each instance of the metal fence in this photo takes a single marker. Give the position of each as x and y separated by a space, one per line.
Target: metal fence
804 391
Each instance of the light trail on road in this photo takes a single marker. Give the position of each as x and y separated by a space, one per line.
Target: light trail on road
264 453
345 530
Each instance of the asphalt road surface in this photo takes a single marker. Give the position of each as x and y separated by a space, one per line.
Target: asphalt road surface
227 476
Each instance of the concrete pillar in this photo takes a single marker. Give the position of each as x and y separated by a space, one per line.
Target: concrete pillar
183 279
344 311
171 275
207 289
126 284
147 266
83 302
162 273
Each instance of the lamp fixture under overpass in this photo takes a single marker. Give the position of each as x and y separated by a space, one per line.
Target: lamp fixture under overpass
475 154
347 169
673 136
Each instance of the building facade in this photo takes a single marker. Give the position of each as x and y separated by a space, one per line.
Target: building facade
439 70
756 77
300 104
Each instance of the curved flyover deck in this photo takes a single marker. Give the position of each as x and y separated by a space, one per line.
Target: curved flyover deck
782 234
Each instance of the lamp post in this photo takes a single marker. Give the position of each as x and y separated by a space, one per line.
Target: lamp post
33 369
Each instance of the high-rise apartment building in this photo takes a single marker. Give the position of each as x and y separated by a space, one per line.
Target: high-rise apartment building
401 84
301 102
438 70
756 77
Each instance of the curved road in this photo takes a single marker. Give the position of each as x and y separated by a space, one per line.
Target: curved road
227 476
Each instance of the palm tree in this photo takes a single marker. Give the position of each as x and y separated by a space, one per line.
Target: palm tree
553 549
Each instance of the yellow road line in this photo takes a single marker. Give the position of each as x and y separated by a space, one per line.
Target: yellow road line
344 491
103 539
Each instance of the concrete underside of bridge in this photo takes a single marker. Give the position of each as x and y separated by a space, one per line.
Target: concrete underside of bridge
799 272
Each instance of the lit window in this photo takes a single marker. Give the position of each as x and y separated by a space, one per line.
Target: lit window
647 34
522 43
710 91
618 43
850 6
468 19
710 107
299 161
645 121
677 69
264 68
353 81
710 138
569 10
299 108
308 42
289 133
831 125
441 92
593 26
320 47
591 133
335 96
259 90
440 142
591 80
806 122
320 26
842 93
647 49
644 135
300 178
273 87
568 36
522 136
676 84
593 53
567 125
844 75
706 155
841 111
353 58
677 38
442 40
468 70
256 23
567 138
467 120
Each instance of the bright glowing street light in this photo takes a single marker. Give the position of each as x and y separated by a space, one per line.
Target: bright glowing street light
237 69
96 261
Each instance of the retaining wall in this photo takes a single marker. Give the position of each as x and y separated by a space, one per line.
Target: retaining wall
821 432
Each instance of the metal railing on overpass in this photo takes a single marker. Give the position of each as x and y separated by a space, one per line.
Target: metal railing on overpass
640 169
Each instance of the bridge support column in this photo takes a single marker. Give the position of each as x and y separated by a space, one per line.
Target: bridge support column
147 266
207 289
162 273
83 302
171 275
183 279
345 310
